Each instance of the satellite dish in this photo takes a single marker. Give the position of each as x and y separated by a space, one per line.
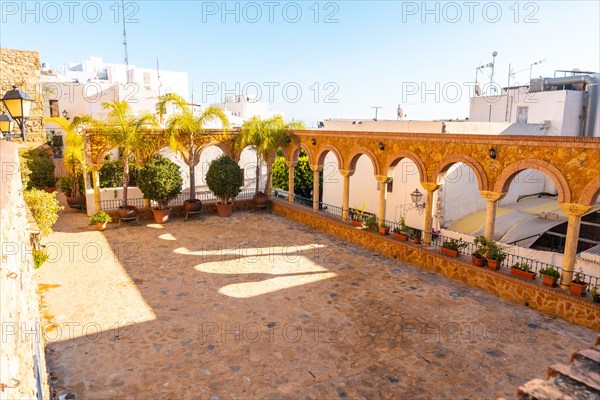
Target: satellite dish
477 90
494 54
400 112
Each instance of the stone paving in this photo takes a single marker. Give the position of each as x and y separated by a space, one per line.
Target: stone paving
256 306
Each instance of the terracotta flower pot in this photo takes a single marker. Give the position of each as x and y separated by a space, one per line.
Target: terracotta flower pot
578 289
50 190
161 216
549 281
357 223
192 206
260 200
76 201
417 240
400 236
494 265
523 274
477 261
384 231
224 210
451 253
101 225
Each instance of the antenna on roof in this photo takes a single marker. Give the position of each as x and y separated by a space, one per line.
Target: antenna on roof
125 40
376 109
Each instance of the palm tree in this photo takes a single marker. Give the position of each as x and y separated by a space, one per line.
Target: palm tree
126 131
186 130
73 155
265 136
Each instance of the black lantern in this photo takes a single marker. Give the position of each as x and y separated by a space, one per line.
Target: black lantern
416 197
381 146
6 124
18 103
492 153
313 141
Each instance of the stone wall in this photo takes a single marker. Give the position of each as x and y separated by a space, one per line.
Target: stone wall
547 300
22 68
22 357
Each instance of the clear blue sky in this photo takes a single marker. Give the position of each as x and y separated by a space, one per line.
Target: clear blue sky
368 53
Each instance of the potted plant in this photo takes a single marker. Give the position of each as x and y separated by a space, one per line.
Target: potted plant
495 256
452 247
595 293
357 216
160 180
224 178
384 230
101 219
265 136
401 232
578 284
371 223
73 188
416 236
549 276
523 270
478 256
187 135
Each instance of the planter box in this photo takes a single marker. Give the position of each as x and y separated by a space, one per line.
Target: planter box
494 265
400 236
549 281
417 240
452 253
523 274
384 231
357 223
578 289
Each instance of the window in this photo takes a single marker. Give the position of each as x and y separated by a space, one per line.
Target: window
522 113
54 108
390 185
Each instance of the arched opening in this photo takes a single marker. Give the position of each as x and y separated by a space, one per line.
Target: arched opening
363 193
405 175
207 154
331 181
247 163
303 177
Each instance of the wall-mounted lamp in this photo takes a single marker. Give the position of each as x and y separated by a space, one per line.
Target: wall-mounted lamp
6 124
381 146
416 197
288 139
65 115
492 153
313 141
18 103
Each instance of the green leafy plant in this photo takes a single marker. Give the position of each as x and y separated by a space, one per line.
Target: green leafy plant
67 186
522 266
454 244
303 175
41 165
224 178
595 291
481 246
160 180
44 208
111 173
358 215
371 223
402 222
494 252
39 257
549 271
100 217
579 278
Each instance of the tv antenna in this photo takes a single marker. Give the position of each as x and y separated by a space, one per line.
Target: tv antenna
400 112
125 40
376 109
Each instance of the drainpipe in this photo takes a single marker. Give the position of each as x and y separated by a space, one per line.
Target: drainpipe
590 103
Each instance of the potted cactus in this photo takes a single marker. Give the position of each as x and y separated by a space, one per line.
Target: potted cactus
101 219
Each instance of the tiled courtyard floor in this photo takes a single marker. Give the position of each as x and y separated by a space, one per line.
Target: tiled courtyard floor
256 306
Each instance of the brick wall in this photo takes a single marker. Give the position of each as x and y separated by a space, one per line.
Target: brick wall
22 68
21 350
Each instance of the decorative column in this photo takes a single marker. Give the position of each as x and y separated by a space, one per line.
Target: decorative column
383 181
430 187
490 213
96 183
316 169
346 192
574 211
291 166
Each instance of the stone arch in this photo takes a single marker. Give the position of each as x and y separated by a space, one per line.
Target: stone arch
591 192
397 157
293 156
359 152
323 153
215 143
476 167
562 186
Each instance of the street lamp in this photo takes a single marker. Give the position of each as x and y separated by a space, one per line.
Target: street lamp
6 124
416 197
18 103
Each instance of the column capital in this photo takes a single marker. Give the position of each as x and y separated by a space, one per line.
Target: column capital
430 186
382 178
574 209
492 196
346 172
315 168
291 164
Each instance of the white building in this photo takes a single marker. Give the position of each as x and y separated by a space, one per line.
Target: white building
241 108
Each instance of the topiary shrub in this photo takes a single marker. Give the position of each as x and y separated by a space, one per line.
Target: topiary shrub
224 178
160 180
41 165
44 208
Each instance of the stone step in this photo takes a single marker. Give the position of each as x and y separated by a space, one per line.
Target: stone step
577 376
539 389
597 341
